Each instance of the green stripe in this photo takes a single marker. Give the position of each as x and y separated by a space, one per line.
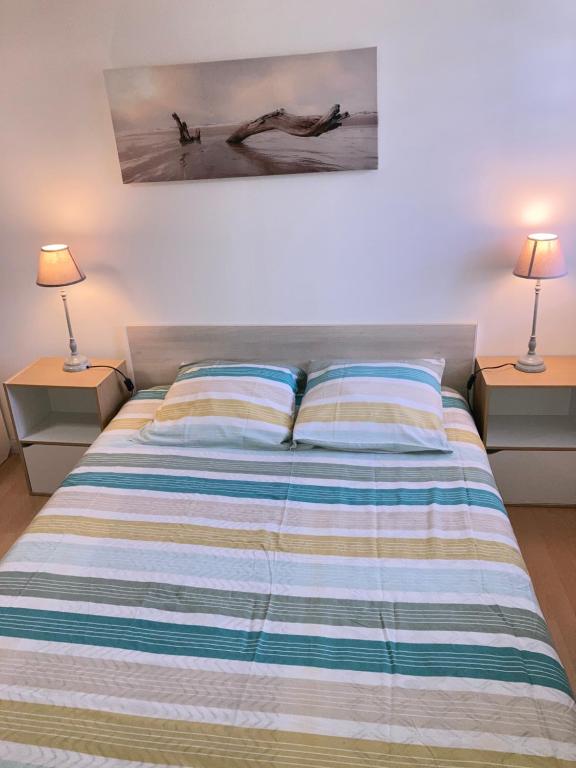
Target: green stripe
324 470
428 660
447 617
284 491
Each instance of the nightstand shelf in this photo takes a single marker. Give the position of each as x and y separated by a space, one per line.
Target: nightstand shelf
57 415
65 428
526 411
531 433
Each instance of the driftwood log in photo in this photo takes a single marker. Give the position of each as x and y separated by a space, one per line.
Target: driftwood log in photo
185 136
296 125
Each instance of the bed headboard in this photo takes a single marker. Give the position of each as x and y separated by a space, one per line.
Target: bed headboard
158 350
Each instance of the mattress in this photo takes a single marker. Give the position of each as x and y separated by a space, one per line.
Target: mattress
304 609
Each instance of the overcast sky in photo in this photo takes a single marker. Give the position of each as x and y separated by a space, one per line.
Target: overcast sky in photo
143 98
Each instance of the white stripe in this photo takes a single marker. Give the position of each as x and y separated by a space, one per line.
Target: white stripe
423 401
49 757
242 395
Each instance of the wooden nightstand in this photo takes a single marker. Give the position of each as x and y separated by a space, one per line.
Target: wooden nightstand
57 415
526 411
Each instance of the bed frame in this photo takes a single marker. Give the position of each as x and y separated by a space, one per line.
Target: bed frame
158 350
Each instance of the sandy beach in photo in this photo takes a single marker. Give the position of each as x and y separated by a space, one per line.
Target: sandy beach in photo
157 156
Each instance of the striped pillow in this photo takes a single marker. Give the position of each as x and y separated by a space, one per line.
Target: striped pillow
244 405
383 406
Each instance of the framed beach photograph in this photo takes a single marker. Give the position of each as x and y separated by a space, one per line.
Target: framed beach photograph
249 117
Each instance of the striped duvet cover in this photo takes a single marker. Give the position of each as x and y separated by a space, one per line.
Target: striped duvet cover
307 609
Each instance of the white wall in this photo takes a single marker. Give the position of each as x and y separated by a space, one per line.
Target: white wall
477 104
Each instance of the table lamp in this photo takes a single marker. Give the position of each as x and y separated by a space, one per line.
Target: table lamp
541 259
56 269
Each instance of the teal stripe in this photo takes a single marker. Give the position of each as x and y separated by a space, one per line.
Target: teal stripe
415 659
151 394
442 617
454 402
377 372
272 374
159 393
280 491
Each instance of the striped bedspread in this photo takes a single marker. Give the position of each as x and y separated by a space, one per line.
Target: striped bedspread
297 609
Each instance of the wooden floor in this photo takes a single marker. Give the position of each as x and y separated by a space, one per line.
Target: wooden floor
547 538
17 507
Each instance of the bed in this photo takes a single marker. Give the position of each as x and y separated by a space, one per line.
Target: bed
213 608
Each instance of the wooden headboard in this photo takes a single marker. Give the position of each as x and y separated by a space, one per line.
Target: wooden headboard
158 350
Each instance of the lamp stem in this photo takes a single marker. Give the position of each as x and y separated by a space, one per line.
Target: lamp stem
532 342
74 362
73 345
531 362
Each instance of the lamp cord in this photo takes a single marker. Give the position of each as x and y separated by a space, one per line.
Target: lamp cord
128 383
472 379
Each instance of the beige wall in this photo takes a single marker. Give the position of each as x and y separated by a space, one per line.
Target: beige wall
477 147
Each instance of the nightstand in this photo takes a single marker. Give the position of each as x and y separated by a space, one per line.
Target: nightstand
57 415
526 411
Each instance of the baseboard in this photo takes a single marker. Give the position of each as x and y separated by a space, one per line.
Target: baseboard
543 506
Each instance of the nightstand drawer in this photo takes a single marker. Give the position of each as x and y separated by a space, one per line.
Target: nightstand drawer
48 465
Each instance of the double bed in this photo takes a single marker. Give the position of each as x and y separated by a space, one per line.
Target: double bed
316 609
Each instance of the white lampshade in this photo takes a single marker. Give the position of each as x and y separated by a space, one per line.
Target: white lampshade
56 267
541 258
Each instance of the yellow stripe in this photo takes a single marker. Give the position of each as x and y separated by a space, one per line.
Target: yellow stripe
181 742
463 436
232 538
381 413
127 423
233 409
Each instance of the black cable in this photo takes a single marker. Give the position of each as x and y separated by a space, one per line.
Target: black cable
472 379
128 383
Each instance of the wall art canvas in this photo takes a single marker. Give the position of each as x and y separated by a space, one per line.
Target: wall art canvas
249 117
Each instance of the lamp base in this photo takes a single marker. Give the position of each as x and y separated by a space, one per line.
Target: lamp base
530 364
75 363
